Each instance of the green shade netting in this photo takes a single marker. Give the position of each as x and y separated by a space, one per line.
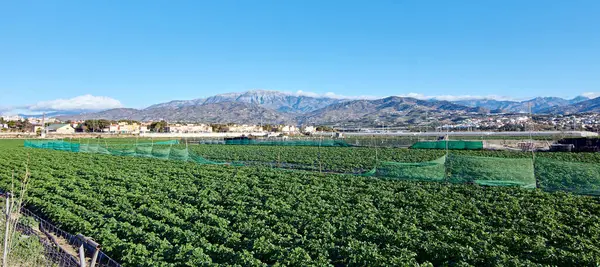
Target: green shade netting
181 154
291 142
167 150
576 177
462 169
490 171
143 150
421 171
547 174
452 145
161 151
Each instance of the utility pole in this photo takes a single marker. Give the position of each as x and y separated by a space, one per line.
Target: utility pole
44 131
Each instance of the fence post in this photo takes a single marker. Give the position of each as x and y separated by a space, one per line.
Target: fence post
81 256
6 230
81 250
89 241
96 252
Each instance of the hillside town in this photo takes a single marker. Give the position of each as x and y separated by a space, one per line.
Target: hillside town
495 122
54 126
521 122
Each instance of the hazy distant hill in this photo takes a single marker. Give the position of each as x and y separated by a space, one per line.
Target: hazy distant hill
590 105
282 102
277 107
537 104
221 112
111 114
390 110
226 112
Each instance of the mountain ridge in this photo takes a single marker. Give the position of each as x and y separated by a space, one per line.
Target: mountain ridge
280 101
587 106
264 106
537 104
395 110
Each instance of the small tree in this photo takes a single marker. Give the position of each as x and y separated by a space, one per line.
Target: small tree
159 126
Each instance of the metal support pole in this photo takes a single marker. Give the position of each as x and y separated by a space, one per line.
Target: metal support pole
95 258
81 255
89 241
96 252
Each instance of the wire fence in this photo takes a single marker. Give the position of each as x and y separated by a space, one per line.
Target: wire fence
52 254
61 247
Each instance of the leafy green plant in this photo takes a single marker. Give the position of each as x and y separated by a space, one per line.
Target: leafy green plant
151 212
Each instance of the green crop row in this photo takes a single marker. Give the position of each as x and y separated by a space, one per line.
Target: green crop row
150 212
355 159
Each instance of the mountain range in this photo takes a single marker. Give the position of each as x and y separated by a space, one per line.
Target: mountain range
537 105
281 102
587 106
261 106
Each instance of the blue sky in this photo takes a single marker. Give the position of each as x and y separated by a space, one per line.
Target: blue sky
144 52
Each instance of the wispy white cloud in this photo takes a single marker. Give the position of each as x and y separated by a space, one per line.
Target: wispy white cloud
84 102
591 94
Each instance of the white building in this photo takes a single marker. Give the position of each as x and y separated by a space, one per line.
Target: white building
309 129
289 129
245 128
60 129
113 128
189 128
122 128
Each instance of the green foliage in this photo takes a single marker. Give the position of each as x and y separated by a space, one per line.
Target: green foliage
95 125
25 250
159 126
324 128
583 178
150 212
434 170
129 121
493 168
356 159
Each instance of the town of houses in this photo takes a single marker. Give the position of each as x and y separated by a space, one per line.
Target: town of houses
520 122
54 126
496 122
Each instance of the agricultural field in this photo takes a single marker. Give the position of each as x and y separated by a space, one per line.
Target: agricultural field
151 212
356 159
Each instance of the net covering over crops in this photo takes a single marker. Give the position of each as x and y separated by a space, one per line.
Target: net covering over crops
456 168
577 177
419 171
151 212
167 150
452 145
491 171
550 174
291 142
